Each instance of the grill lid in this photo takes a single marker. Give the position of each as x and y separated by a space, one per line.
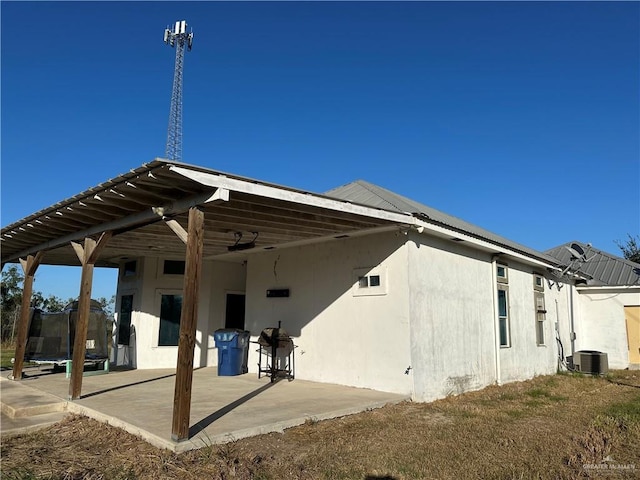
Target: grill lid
275 336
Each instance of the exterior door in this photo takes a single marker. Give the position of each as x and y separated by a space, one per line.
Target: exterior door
234 315
632 317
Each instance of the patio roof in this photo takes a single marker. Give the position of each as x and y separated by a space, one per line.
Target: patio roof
134 205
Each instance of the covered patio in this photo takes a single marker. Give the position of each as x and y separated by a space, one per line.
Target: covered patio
172 210
223 409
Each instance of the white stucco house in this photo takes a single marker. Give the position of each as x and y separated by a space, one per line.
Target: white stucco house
378 291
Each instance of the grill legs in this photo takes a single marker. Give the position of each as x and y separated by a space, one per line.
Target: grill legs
276 366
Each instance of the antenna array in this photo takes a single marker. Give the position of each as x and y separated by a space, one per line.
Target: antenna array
179 39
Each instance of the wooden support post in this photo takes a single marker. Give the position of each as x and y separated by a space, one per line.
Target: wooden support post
29 266
88 257
82 325
188 324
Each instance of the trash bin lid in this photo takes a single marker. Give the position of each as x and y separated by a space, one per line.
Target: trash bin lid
229 334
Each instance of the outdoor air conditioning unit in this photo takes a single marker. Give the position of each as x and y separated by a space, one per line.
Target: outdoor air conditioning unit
591 361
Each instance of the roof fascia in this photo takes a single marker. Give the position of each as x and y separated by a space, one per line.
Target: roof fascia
275 193
608 288
238 185
481 244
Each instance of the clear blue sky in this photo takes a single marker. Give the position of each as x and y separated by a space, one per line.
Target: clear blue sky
522 118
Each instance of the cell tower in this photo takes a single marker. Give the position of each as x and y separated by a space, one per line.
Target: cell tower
178 38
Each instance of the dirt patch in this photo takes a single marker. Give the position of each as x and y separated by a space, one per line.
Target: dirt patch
550 427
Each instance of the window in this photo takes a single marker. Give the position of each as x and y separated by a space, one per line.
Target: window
538 282
502 273
173 267
129 269
170 310
541 316
124 319
503 317
369 281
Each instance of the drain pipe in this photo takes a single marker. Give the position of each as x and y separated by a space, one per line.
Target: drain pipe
572 334
496 318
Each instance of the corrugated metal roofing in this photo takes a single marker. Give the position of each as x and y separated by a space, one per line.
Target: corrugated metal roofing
603 267
375 196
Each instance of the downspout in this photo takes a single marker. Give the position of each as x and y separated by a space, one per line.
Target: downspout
572 333
496 319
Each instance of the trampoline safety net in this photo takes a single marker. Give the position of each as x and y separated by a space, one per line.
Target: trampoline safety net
51 335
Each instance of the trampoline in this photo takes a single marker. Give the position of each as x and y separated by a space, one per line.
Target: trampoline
52 334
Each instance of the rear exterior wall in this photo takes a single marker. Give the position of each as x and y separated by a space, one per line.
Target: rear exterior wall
147 288
454 340
344 334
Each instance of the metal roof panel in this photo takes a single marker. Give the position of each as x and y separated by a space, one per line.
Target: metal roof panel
369 194
603 267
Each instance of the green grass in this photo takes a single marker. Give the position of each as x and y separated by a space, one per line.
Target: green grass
544 394
7 352
625 413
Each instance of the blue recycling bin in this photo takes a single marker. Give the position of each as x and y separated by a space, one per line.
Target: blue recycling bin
233 351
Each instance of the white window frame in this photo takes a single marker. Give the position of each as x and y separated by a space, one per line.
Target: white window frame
168 277
117 317
538 282
504 318
131 276
502 278
362 279
157 311
541 317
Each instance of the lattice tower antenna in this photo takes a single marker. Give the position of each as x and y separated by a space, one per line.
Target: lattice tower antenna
177 38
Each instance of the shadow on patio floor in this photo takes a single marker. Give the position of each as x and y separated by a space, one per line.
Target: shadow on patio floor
209 419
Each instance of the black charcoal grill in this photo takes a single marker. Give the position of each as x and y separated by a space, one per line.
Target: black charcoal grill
277 348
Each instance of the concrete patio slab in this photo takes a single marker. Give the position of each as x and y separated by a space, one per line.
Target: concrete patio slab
222 408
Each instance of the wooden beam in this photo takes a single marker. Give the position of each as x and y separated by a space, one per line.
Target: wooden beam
177 229
98 247
79 251
188 323
29 266
88 255
137 219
